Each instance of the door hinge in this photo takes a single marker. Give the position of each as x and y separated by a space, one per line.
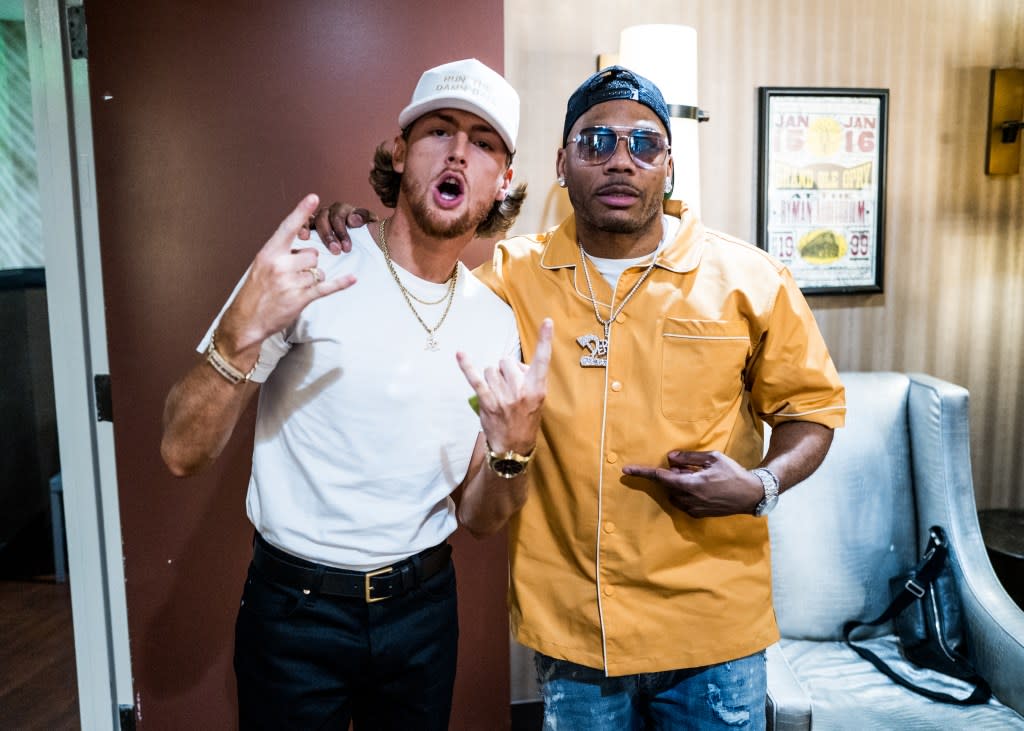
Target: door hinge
78 41
127 715
104 403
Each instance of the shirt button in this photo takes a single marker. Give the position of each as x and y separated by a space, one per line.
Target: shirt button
608 590
612 457
609 526
616 385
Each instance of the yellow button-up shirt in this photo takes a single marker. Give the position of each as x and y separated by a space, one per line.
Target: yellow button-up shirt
605 572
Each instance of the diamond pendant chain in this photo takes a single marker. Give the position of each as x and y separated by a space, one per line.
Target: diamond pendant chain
432 343
598 347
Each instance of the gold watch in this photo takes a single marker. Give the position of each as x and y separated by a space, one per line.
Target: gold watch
508 464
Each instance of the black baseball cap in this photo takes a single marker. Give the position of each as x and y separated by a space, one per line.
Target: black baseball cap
615 82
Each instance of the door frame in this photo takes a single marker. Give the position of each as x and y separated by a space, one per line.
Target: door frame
78 342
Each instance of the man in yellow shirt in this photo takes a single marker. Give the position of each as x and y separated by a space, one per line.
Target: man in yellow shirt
640 569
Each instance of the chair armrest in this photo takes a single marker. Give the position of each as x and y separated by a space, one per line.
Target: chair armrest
944 491
788 705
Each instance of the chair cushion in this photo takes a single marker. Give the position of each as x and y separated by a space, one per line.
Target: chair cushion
847 692
837 537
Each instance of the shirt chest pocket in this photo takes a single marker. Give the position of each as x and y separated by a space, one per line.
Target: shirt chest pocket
702 367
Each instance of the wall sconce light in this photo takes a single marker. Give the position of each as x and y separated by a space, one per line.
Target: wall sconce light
667 55
1005 122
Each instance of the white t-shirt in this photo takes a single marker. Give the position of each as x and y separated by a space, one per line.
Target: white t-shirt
362 433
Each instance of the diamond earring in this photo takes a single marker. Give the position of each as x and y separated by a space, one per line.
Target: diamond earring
561 182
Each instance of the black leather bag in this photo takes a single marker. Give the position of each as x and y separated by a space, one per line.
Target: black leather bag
928 619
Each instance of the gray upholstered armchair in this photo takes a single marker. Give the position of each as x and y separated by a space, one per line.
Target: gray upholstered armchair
901 465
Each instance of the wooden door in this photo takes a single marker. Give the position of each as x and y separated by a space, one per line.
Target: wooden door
211 120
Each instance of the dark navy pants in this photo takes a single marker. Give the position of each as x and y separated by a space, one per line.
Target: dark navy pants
316 662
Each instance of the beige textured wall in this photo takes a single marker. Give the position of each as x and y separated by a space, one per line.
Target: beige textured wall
953 304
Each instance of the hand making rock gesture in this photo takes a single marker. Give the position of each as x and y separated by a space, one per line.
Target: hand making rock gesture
511 395
280 283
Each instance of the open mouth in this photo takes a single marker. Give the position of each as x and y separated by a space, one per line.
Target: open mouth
450 188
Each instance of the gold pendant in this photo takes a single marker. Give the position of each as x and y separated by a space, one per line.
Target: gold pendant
598 347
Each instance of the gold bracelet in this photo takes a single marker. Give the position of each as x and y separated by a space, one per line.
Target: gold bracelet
223 367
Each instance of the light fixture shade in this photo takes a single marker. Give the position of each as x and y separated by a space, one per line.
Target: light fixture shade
667 55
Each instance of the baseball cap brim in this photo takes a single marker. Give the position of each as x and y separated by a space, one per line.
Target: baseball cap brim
414 111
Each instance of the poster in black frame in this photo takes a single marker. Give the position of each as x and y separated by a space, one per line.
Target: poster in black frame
821 185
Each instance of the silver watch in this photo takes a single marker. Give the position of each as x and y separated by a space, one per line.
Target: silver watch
771 490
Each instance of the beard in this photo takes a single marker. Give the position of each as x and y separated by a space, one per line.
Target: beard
594 215
436 226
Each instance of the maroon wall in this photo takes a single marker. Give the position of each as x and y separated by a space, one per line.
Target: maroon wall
211 121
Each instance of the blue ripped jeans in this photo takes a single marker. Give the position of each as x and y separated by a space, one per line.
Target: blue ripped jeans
730 695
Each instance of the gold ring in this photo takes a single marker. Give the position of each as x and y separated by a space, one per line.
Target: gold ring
315 273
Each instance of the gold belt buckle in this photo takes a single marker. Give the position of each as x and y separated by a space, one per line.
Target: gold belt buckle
369 587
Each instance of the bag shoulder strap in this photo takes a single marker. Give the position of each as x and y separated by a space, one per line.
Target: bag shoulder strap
981 693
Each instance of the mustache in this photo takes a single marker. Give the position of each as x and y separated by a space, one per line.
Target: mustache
618 187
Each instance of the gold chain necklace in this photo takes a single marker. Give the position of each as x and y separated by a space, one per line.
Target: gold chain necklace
409 296
443 297
598 347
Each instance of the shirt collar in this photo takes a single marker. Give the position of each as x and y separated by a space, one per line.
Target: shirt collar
681 255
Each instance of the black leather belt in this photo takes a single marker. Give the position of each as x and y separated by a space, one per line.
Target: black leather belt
372 586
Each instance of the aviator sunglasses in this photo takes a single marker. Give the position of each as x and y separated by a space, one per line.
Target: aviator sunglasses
596 145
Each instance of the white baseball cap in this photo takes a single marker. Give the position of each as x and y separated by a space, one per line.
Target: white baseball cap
472 87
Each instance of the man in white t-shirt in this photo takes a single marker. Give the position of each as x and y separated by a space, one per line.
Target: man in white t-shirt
367 451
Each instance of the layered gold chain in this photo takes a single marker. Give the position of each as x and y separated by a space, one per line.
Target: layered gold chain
409 296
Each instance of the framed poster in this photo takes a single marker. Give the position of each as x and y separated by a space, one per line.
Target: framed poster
821 185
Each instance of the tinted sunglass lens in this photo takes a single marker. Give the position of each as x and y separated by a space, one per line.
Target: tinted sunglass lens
645 147
598 146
